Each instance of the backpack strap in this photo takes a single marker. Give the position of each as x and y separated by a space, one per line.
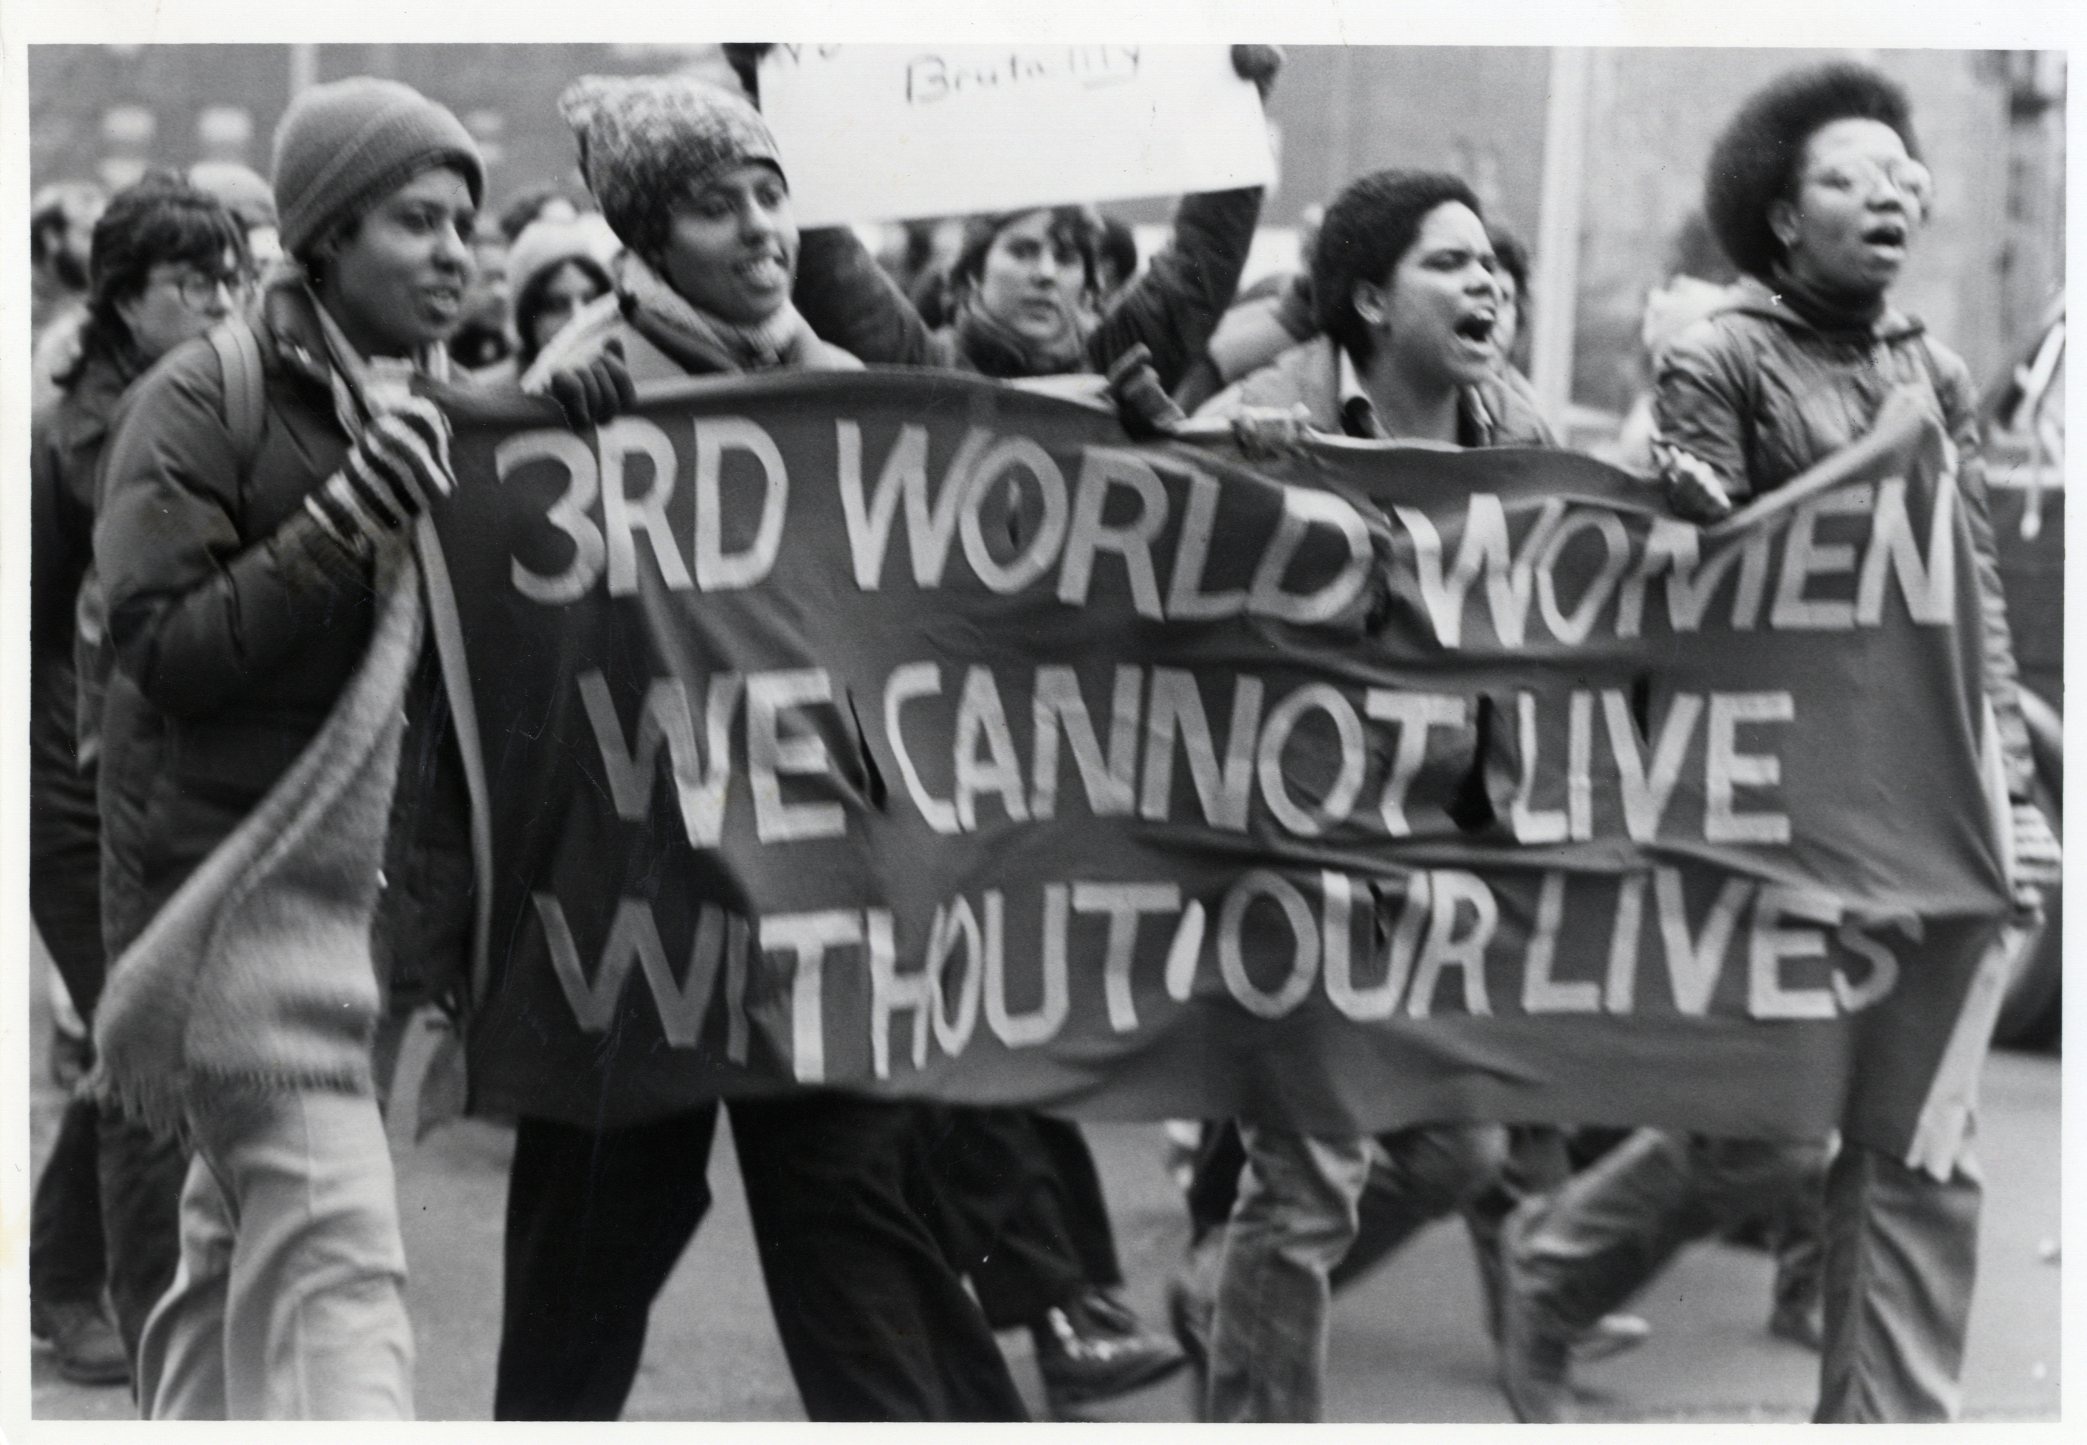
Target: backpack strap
239 358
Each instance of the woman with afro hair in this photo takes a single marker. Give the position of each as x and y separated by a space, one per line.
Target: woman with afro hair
1816 191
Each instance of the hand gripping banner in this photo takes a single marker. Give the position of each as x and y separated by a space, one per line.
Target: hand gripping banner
913 734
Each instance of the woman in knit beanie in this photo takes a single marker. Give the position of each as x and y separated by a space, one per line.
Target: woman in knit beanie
691 182
874 1321
264 610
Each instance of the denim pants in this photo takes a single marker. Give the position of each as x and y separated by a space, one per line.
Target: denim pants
1901 1261
1306 1203
1615 1225
289 1301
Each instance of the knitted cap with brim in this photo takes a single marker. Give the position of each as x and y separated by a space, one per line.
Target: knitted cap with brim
345 145
646 141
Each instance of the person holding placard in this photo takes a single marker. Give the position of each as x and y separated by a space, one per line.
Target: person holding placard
1025 282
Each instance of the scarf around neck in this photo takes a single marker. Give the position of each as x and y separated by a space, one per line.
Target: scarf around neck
258 974
1826 308
1000 351
701 340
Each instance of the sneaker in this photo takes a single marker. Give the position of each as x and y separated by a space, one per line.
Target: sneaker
1535 1361
82 1339
1095 1348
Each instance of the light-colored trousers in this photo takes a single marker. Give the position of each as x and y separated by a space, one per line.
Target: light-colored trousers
289 1302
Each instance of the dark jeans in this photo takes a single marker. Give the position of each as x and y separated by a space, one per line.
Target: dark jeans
1423 1174
66 1263
107 1207
1613 1227
1023 1209
874 1320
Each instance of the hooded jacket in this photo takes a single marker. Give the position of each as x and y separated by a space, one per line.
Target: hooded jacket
1760 394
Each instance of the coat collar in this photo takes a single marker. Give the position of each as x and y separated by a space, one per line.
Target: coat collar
1751 296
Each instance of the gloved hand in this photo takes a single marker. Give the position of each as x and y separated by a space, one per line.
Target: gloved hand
1142 404
2039 859
1258 63
595 393
1269 433
395 469
1694 491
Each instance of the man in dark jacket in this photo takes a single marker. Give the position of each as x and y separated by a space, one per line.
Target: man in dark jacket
167 262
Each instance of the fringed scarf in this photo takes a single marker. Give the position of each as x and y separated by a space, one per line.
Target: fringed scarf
258 973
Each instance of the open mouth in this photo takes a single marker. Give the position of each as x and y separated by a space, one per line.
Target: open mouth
1885 233
762 271
1476 328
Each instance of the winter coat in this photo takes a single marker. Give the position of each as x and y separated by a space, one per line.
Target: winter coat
236 622
1490 414
1171 309
1760 395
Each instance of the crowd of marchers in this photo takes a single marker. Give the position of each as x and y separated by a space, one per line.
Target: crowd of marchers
251 846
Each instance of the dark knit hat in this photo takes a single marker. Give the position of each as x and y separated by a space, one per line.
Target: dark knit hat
648 141
344 145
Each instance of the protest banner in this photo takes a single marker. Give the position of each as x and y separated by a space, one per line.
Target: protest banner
918 734
967 128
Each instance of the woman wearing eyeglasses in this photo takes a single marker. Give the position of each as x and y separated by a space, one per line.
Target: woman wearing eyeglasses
1817 193
168 260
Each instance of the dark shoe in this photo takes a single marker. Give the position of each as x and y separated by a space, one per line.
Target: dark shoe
1094 1348
1798 1326
83 1341
1535 1361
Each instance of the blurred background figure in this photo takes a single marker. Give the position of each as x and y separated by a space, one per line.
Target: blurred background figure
250 199
1698 281
168 264
557 266
482 341
546 202
61 238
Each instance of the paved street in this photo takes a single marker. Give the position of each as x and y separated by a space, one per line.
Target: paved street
1408 1345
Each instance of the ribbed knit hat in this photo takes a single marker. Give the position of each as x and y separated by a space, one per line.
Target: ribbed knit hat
344 145
647 141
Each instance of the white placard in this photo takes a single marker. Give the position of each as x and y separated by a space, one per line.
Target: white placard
890 132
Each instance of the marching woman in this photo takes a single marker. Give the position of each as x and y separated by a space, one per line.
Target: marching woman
1403 282
254 552
875 1322
1816 191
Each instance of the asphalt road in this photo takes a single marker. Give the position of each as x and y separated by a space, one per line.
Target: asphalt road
1407 1346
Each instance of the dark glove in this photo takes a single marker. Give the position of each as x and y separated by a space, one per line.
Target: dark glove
595 393
1258 63
395 469
1142 404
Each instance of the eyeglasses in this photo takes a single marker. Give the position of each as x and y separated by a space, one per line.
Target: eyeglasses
198 289
1909 178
